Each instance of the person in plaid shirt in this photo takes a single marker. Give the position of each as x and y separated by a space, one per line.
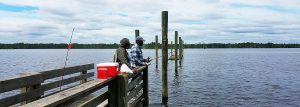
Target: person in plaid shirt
136 53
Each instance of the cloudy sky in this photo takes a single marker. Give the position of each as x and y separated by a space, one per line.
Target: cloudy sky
107 21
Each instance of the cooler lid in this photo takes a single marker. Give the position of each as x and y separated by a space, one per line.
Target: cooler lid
108 64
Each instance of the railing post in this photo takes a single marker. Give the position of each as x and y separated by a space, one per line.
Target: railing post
113 93
118 92
123 83
145 88
82 73
33 87
29 88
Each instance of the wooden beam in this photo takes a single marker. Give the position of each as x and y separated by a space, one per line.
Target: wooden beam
95 100
145 88
137 33
69 94
8 101
138 71
135 82
180 50
83 79
23 80
134 92
164 57
113 91
176 52
123 85
136 102
66 81
69 70
156 51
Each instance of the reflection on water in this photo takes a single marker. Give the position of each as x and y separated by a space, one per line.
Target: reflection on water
207 77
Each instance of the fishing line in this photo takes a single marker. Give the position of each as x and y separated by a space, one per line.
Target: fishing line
168 53
69 47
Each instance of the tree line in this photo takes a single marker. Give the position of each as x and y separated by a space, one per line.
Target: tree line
146 46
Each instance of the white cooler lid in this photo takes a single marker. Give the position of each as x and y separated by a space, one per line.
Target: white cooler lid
108 64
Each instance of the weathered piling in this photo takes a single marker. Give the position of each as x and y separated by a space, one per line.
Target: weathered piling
180 50
172 48
137 33
176 51
156 51
164 57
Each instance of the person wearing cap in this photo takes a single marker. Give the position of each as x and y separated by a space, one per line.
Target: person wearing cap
122 57
136 53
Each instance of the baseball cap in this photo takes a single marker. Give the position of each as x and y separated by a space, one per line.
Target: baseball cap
139 38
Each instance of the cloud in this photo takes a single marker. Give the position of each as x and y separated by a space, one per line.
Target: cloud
107 21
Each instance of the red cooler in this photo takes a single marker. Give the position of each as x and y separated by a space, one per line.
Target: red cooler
105 70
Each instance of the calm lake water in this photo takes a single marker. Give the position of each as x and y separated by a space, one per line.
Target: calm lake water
207 77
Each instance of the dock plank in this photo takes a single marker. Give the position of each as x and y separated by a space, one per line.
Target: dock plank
66 95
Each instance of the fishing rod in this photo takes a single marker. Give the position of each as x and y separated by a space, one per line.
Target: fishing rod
69 47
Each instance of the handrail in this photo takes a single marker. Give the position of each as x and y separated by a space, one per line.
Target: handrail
33 84
121 90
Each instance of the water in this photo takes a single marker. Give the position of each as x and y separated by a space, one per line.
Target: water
207 77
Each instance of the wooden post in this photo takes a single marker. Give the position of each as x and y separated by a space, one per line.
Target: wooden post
180 50
38 79
176 51
137 33
172 48
113 93
182 43
27 89
145 88
123 85
156 51
164 57
118 92
82 73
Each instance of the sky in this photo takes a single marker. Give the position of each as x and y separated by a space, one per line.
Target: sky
108 21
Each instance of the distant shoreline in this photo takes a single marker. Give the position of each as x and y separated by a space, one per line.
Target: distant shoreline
146 46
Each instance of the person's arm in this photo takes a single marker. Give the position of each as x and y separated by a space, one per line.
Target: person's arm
123 58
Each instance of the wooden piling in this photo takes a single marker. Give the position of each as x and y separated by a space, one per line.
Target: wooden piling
156 51
176 51
172 48
137 33
164 57
180 50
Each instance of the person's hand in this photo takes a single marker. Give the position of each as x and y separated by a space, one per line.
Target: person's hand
134 71
149 59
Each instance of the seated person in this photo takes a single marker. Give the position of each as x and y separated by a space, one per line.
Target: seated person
136 53
122 56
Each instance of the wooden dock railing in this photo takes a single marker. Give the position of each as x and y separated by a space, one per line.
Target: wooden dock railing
122 90
33 85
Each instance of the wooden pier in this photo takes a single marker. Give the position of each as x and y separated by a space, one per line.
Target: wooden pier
119 91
